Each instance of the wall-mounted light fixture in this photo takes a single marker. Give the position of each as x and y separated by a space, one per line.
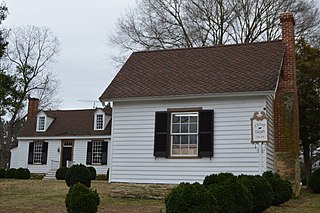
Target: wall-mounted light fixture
58 150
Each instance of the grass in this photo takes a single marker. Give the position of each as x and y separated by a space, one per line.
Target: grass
49 196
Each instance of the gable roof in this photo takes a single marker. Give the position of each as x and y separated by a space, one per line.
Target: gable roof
193 71
67 123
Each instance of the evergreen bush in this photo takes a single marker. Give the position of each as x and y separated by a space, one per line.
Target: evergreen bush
93 172
232 196
78 174
82 199
22 173
282 190
11 173
261 191
314 182
216 178
189 198
2 173
61 173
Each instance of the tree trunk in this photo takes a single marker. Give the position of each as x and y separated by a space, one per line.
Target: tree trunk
307 161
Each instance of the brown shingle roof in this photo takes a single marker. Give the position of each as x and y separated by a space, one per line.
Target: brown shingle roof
206 70
67 123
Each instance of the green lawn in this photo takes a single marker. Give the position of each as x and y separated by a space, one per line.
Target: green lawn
49 196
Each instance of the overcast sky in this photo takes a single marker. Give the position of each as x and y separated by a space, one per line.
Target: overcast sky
83 65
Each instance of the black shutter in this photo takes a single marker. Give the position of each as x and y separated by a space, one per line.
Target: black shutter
30 156
205 148
104 153
44 153
161 143
89 153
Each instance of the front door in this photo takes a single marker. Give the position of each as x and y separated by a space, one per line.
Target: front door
67 151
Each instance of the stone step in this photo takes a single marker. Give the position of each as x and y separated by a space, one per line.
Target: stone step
51 175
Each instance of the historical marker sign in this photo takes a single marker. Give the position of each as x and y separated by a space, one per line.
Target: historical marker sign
259 127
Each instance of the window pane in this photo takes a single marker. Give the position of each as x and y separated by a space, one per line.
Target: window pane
176 149
175 119
176 139
184 139
193 139
184 150
184 128
175 128
184 119
193 128
193 119
193 150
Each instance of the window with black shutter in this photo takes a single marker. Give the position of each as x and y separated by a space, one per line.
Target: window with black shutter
38 152
184 134
97 152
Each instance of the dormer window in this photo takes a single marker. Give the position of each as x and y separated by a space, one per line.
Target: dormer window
41 123
99 123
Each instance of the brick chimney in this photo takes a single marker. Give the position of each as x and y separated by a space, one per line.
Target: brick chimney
286 112
33 104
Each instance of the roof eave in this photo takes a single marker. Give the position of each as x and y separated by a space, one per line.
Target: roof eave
190 96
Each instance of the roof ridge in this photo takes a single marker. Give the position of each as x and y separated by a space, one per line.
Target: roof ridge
208 47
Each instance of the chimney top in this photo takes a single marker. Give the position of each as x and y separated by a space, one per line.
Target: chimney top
33 105
286 17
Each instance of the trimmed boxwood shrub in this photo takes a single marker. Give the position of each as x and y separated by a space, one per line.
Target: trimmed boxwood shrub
10 173
187 198
78 174
93 172
261 191
232 196
282 190
314 182
61 173
2 173
82 199
22 173
216 178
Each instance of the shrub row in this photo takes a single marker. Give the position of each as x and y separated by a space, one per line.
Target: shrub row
226 193
20 173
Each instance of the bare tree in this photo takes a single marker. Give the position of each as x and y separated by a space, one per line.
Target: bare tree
29 53
164 24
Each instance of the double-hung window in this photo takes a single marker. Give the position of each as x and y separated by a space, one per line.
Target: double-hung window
41 123
37 153
184 133
97 152
99 122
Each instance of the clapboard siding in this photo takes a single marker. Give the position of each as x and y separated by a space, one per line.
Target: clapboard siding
270 146
133 138
79 156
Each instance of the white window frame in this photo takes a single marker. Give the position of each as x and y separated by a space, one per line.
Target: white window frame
97 152
37 152
41 123
172 134
97 121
